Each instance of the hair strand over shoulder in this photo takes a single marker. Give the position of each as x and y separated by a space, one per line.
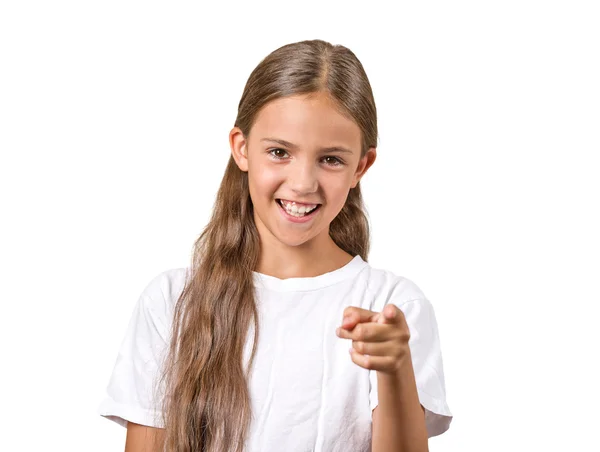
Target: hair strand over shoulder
206 404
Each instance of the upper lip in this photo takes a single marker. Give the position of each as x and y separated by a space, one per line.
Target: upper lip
299 202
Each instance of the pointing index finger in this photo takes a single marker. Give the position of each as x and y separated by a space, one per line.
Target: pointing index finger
390 314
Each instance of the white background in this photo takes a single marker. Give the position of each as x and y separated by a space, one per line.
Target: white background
114 118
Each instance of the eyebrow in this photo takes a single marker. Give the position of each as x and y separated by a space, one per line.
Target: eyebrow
293 146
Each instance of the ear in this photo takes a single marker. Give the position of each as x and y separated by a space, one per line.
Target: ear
239 148
363 165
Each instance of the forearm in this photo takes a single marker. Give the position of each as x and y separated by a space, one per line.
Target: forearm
400 423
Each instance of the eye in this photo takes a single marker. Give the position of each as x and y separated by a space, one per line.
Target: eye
271 152
330 160
337 161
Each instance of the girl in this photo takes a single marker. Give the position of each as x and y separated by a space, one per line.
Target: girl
247 349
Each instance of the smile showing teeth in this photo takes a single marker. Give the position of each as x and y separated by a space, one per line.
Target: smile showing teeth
297 210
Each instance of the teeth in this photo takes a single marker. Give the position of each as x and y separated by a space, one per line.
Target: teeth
293 209
293 204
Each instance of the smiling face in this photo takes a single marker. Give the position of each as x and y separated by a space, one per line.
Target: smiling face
301 149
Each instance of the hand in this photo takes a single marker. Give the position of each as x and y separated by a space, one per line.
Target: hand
379 340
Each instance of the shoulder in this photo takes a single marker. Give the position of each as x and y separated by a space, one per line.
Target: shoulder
163 290
390 287
167 283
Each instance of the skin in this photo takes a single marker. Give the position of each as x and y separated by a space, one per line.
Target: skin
304 173
141 438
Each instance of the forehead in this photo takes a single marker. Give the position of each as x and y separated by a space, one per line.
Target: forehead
306 120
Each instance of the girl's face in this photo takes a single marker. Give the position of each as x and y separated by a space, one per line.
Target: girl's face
300 149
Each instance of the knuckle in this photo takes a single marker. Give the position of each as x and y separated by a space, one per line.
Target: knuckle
367 361
360 346
363 335
400 352
403 336
360 332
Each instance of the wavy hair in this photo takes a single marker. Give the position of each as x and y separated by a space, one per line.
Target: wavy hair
206 405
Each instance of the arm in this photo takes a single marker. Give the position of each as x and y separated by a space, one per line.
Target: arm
380 342
398 420
141 438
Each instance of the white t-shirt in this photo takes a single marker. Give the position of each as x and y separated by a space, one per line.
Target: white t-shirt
306 393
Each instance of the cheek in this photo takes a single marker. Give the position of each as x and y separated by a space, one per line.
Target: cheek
263 181
337 189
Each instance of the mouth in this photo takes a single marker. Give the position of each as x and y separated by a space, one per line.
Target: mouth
297 214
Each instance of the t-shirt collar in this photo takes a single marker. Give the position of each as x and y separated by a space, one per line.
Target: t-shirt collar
312 282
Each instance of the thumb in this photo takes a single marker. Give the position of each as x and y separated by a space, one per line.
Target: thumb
354 315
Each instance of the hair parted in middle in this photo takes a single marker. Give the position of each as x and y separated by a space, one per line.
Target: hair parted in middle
206 403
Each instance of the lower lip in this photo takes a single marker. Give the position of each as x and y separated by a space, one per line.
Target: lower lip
294 219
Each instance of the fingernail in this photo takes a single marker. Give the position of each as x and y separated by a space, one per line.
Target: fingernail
351 350
337 331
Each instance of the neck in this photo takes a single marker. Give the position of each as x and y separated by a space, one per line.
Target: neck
303 261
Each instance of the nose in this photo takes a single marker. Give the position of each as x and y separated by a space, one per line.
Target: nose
302 177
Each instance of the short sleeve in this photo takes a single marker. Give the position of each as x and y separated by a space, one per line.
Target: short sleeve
427 362
132 393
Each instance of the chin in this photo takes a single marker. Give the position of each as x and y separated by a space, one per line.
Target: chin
294 241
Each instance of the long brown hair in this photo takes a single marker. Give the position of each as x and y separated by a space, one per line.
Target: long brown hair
206 405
